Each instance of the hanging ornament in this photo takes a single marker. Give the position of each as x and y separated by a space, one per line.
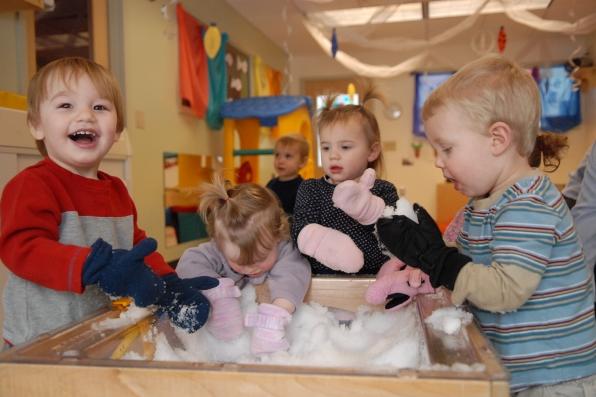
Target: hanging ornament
334 45
483 42
212 41
502 39
393 111
417 146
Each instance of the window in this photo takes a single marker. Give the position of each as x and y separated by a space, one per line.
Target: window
71 28
560 101
425 83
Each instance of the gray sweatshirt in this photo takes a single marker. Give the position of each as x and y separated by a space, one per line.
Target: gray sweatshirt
289 278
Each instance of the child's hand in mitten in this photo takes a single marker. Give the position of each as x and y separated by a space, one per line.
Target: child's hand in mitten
396 284
356 199
331 247
225 321
186 306
268 325
421 245
122 272
392 285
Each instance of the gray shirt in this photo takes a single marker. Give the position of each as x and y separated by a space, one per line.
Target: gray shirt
289 278
584 211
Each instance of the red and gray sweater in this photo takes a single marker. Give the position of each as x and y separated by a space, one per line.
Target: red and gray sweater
49 217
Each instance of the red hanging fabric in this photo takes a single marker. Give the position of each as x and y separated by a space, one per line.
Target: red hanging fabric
192 63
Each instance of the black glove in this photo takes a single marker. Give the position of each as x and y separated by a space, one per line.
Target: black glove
124 273
186 306
406 239
421 245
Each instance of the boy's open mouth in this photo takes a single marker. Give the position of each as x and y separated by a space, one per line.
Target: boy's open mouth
83 136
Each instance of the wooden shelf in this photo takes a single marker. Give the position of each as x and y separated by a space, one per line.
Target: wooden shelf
19 5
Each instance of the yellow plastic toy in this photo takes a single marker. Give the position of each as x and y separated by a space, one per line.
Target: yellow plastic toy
284 114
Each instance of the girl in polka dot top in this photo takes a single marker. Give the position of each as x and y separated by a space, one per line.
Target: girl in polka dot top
350 143
335 216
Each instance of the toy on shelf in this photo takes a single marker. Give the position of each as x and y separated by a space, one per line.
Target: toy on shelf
244 117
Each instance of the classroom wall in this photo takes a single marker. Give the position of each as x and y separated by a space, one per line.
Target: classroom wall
155 122
419 180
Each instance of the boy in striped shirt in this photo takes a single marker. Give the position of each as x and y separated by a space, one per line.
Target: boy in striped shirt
518 261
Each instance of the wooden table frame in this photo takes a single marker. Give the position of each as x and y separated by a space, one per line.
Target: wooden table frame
71 362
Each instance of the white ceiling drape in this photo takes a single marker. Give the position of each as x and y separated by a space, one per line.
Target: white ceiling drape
582 26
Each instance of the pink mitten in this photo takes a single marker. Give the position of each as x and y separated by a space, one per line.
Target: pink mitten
397 286
332 248
356 200
454 227
225 320
269 324
388 283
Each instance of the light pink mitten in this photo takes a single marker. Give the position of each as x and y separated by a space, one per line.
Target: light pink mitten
225 321
396 284
269 323
356 199
391 285
331 247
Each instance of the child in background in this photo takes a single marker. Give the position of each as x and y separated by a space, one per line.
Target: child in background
519 263
338 238
69 232
250 244
291 153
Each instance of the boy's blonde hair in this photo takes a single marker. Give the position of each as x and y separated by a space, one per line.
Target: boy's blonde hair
67 69
489 90
294 140
246 221
329 116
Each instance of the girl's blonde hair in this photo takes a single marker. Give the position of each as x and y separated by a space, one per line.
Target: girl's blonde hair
489 90
330 115
246 220
67 70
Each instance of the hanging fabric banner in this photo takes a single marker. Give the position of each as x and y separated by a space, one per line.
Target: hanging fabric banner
237 65
260 79
218 89
192 63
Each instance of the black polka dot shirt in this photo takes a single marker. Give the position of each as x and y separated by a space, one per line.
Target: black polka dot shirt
314 205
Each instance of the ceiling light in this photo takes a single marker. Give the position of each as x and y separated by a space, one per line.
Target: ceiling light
459 8
370 15
413 11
